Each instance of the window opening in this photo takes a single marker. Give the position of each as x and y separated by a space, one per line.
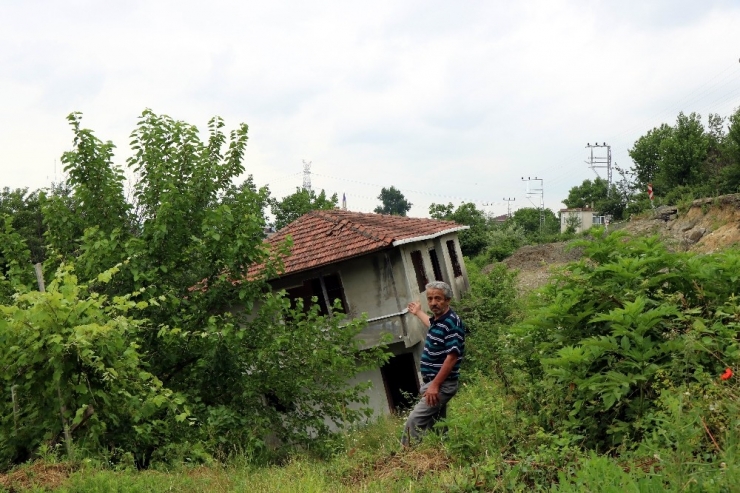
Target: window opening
456 268
313 288
421 275
335 290
435 264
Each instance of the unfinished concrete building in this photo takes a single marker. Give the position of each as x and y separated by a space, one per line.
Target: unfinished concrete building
374 264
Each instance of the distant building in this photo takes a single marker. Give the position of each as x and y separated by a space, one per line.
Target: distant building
500 219
580 219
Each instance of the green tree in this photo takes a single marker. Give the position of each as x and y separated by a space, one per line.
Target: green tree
683 155
77 375
647 156
473 240
303 201
678 156
718 155
528 218
730 174
213 334
24 209
588 194
502 241
594 194
393 202
15 261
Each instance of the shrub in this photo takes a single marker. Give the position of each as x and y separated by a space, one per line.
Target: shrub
488 306
503 241
618 325
73 363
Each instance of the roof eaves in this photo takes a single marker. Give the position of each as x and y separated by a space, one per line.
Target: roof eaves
429 237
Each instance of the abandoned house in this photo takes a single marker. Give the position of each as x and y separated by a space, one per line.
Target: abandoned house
374 264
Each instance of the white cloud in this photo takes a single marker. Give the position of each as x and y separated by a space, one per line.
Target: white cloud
448 101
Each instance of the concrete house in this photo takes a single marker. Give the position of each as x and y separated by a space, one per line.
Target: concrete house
582 219
374 264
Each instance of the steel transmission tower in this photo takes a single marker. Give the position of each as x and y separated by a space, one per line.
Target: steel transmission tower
307 175
601 162
537 191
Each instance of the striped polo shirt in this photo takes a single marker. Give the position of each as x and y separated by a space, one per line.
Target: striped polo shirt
446 335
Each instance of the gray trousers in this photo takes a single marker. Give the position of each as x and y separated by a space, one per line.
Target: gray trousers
423 416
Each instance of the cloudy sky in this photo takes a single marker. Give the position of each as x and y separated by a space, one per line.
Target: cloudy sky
447 101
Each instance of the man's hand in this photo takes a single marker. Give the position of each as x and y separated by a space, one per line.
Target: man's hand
432 394
414 307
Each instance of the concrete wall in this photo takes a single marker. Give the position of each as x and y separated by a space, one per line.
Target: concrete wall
585 219
460 285
377 400
373 284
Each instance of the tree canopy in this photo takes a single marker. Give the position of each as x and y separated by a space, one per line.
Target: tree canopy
303 201
473 240
528 218
594 194
393 202
689 156
23 210
153 335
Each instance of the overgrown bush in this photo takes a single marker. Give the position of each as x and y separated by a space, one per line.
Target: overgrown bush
488 307
503 241
72 363
250 367
618 327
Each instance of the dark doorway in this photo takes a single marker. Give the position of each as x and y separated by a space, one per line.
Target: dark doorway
401 381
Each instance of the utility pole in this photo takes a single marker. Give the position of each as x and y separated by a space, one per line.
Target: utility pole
601 162
508 205
537 191
490 204
307 175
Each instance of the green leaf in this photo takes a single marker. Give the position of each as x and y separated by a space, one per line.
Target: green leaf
625 344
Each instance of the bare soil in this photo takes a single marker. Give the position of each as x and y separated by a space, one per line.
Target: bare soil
535 263
708 226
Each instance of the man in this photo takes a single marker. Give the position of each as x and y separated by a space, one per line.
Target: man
440 362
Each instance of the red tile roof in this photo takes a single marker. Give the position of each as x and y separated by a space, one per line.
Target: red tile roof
328 236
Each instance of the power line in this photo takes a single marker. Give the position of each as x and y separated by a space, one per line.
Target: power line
537 191
508 205
726 77
405 190
601 162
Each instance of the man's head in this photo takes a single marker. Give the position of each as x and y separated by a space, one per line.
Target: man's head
439 295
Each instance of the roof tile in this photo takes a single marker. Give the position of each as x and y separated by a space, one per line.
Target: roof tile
328 236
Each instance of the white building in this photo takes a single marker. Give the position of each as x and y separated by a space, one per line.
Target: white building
580 219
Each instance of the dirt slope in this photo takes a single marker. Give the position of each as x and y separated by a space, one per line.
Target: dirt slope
709 225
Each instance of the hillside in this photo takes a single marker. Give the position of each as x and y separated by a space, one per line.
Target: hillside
707 226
